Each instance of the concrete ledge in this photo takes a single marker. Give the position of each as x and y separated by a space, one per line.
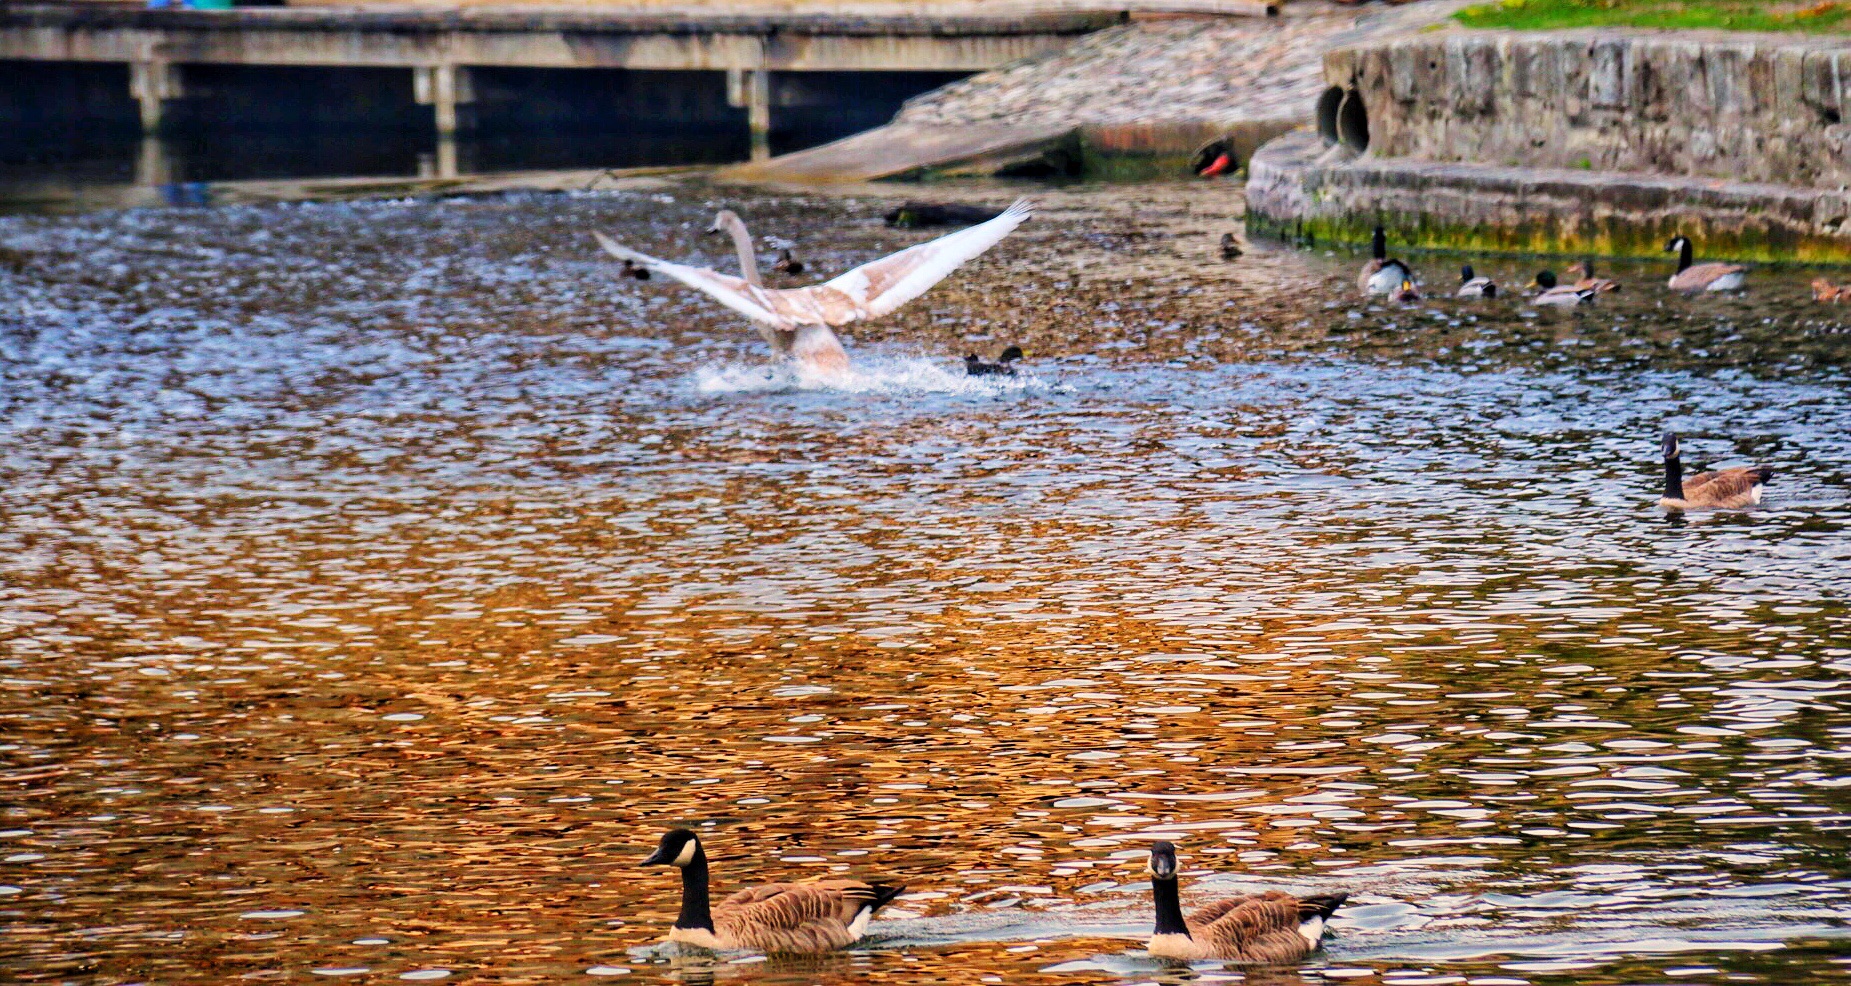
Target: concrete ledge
1298 188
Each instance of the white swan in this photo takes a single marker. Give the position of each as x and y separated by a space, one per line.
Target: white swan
797 321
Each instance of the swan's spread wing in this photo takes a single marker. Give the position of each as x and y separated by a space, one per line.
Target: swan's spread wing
749 300
879 287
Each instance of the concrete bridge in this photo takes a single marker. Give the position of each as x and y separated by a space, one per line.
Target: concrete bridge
440 47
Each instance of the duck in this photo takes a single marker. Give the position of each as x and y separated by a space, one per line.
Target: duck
1272 927
788 263
799 323
1408 291
912 215
1215 158
1003 367
1722 489
635 271
1554 295
1692 279
1473 286
1382 275
774 918
1581 275
1230 247
1824 290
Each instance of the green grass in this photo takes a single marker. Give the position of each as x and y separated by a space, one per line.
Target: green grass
1829 16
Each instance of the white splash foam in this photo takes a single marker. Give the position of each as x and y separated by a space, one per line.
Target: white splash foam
868 375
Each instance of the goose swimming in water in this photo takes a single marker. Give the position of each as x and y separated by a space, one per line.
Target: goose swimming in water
1003 367
1693 278
775 918
1272 927
1723 489
797 322
1382 275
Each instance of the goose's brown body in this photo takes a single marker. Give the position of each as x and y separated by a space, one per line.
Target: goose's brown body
1725 489
1261 929
796 918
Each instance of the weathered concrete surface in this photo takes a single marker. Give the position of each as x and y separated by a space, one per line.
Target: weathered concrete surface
905 150
1300 188
583 38
1154 91
1743 107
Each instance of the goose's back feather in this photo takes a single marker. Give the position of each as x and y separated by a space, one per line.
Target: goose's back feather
1260 928
799 917
1709 277
1727 488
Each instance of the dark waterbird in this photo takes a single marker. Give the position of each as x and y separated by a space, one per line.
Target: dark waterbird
1003 367
1722 489
915 215
1272 927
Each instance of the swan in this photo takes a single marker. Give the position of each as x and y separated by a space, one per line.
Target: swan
797 322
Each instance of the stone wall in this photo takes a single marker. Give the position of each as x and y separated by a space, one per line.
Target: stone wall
1757 108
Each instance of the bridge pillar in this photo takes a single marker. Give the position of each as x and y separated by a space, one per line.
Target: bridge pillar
150 84
751 88
443 88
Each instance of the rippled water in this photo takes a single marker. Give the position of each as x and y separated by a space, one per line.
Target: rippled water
377 581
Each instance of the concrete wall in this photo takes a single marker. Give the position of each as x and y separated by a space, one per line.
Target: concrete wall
1756 108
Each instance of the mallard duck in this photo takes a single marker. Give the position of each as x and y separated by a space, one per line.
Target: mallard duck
1382 275
1824 290
1722 489
778 918
788 263
1408 291
1473 286
1692 278
913 215
1554 295
632 269
797 322
1003 367
1230 247
1581 275
1271 927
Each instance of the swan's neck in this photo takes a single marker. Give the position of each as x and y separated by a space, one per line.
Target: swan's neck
742 241
1674 477
695 912
1169 908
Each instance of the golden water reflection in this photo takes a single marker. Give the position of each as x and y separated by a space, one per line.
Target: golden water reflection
380 579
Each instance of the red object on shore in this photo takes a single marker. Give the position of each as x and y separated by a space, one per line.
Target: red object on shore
1218 166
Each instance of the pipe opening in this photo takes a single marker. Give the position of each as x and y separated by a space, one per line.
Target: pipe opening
1328 104
1353 122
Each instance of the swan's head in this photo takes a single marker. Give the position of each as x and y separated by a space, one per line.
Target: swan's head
678 848
724 221
1162 861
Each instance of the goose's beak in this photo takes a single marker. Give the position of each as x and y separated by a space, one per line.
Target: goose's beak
658 858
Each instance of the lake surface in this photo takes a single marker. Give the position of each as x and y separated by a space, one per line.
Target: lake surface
379 580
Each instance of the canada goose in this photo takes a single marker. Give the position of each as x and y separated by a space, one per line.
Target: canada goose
1723 489
1382 275
1230 247
1003 367
1473 286
1216 158
797 322
1581 275
1824 290
1548 292
788 263
632 269
787 918
913 215
1268 927
1702 277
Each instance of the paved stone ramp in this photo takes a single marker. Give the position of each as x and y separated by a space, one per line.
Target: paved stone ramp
1133 87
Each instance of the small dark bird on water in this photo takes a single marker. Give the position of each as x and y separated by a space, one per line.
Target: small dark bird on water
788 264
1230 247
914 215
636 270
1003 367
